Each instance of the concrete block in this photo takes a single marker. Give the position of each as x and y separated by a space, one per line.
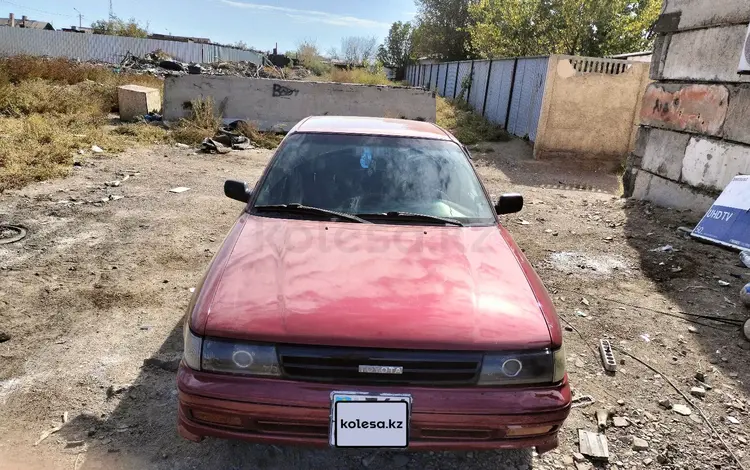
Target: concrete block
737 124
661 48
136 101
641 140
702 13
711 55
280 104
713 163
664 153
692 108
667 193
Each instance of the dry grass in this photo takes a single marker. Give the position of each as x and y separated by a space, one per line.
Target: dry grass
468 127
203 122
266 140
52 109
360 76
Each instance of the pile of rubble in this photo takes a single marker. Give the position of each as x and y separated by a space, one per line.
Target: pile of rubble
160 64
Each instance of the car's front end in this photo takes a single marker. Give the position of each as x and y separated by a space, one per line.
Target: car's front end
459 400
369 297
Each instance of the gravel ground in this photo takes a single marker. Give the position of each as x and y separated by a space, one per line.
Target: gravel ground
98 287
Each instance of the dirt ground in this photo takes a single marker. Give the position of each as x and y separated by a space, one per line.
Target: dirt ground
97 288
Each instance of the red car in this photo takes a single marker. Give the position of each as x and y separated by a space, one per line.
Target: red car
368 296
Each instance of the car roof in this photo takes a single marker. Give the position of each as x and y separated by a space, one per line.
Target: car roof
372 126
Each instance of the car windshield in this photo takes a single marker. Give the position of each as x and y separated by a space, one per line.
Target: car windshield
369 175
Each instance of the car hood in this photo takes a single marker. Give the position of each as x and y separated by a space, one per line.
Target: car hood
374 285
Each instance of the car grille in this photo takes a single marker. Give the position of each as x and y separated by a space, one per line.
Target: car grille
341 365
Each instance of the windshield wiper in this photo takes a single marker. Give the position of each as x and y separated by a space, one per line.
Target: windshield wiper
301 209
410 215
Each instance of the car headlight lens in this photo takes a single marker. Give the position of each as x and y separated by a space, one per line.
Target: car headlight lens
192 347
534 367
240 358
560 367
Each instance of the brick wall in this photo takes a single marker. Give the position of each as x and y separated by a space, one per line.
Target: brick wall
695 117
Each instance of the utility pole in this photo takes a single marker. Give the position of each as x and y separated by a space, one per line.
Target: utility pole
80 18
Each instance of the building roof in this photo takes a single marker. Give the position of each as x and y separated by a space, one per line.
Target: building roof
30 24
371 126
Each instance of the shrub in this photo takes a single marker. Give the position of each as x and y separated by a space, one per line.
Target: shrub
468 127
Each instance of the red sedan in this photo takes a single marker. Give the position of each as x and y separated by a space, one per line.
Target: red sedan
368 296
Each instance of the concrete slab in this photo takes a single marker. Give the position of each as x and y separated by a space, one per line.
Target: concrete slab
664 153
280 104
713 163
702 13
136 101
737 123
667 193
692 108
711 55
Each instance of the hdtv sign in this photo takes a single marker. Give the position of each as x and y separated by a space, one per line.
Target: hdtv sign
728 221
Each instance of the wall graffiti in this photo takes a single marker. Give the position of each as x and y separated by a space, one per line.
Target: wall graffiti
280 91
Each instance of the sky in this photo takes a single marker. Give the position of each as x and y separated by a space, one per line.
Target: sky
259 24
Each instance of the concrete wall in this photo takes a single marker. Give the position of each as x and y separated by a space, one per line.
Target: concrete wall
696 115
280 104
590 108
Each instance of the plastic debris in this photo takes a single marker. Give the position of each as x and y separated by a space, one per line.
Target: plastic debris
180 189
745 258
665 248
96 149
608 357
581 313
723 283
745 295
601 419
645 337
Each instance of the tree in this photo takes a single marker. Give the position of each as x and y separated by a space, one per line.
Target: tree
441 29
241 45
395 50
117 27
506 28
358 50
309 57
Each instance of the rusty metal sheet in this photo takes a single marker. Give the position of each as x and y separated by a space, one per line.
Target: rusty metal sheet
691 108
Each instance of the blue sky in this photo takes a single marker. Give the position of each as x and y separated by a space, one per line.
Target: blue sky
259 23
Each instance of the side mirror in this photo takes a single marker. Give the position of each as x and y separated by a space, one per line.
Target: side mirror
509 204
237 190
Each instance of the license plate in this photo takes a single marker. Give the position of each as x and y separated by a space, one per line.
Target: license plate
370 420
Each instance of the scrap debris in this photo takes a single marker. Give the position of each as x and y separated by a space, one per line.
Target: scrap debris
160 64
593 445
608 357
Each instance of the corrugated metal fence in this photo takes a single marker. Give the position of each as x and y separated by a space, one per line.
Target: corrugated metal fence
112 49
508 92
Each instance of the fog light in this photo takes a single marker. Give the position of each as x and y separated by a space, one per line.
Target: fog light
521 431
216 418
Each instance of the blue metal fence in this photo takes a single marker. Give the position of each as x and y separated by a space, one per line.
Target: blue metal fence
508 92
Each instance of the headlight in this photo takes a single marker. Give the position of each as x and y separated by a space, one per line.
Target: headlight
240 358
535 367
192 347
559 364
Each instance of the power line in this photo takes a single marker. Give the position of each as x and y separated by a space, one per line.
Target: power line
37 10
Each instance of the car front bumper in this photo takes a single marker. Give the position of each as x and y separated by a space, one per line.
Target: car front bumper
275 411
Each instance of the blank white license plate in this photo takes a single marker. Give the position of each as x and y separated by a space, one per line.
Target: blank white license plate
369 420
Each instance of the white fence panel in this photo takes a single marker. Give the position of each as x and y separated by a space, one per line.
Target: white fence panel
111 49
